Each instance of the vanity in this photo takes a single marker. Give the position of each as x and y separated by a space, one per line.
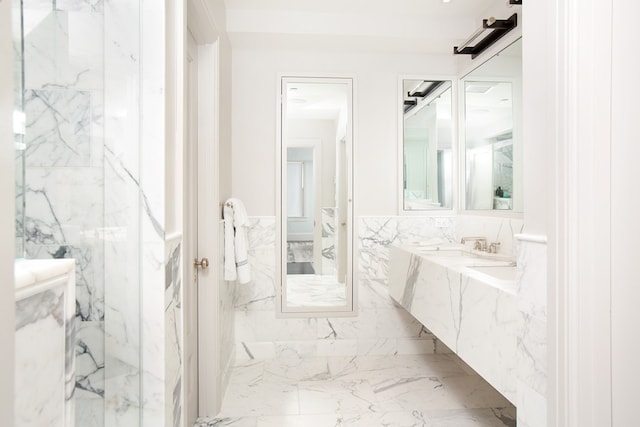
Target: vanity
465 298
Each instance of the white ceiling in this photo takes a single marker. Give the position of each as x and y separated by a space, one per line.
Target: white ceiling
317 101
435 8
402 26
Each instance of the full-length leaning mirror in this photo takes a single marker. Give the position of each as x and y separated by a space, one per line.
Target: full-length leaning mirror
315 226
492 106
427 149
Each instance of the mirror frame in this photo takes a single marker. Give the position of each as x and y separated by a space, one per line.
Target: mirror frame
454 146
489 54
350 309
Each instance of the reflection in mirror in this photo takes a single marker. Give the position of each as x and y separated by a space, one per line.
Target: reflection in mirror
493 143
316 187
427 144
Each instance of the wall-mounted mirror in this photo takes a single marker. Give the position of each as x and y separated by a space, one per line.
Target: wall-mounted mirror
427 144
315 227
492 107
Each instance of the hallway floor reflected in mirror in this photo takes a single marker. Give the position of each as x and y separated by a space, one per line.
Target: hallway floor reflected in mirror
314 290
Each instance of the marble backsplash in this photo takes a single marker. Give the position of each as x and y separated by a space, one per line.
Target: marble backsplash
532 338
380 327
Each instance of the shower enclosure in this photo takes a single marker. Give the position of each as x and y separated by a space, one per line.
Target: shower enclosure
86 191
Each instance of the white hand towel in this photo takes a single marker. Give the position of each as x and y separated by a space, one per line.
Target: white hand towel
240 221
229 246
236 260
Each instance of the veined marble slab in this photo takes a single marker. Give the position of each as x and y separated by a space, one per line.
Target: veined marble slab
473 314
45 342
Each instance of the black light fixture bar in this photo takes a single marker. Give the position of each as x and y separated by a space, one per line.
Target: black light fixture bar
516 2
409 104
498 27
434 85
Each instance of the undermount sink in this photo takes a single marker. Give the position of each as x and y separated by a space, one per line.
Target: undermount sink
439 251
500 272
454 250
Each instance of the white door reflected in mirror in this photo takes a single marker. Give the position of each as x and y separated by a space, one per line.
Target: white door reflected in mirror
315 227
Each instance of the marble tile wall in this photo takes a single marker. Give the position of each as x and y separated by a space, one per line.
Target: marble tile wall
495 229
328 241
381 326
94 191
173 396
64 178
161 338
124 264
45 371
227 316
532 339
43 406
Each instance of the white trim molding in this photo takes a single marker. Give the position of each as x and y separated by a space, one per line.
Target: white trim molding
578 41
7 217
532 238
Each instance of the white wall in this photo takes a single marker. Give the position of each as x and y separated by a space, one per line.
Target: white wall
225 132
375 118
7 224
536 108
625 205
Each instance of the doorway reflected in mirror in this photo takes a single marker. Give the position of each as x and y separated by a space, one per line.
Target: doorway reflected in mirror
316 182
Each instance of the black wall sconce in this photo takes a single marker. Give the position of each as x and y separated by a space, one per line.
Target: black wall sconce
497 29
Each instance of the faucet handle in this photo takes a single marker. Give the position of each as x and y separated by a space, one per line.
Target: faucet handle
493 247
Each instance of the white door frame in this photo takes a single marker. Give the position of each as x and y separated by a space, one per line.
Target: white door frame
190 250
208 232
577 54
201 24
7 217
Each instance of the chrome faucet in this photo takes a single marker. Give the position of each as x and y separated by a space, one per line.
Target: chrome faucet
493 247
479 245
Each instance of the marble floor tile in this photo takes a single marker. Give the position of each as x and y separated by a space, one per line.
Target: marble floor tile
428 393
371 368
297 370
386 419
327 397
432 390
315 420
473 418
228 422
247 372
264 398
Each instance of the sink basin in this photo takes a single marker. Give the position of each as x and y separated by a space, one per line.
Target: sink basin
500 272
438 251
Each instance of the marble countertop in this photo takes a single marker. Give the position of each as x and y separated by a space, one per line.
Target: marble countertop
31 272
461 260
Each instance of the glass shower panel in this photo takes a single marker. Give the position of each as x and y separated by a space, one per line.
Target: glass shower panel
19 121
78 82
